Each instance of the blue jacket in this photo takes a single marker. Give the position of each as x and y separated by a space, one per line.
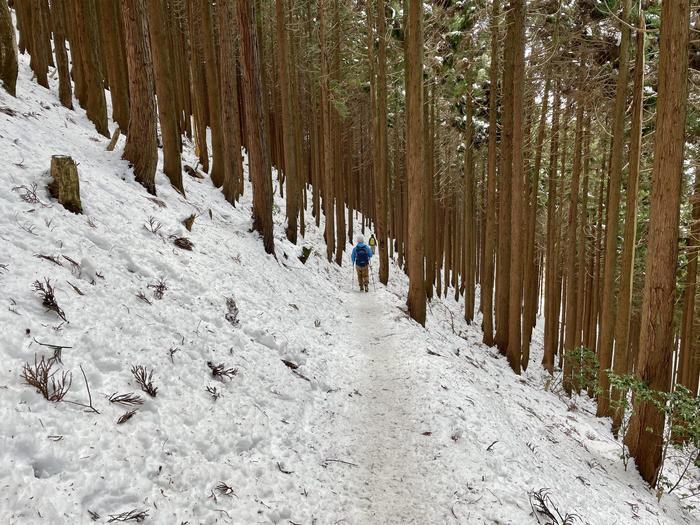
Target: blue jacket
354 251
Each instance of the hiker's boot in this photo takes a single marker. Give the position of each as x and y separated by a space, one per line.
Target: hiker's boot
366 287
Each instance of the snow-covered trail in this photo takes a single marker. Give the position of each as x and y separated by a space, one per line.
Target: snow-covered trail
377 438
389 412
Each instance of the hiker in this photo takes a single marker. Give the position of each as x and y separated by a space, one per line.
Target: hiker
372 243
361 254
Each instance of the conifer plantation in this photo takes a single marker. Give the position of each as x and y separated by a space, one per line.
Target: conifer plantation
536 160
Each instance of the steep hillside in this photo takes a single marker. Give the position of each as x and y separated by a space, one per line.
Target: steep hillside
331 406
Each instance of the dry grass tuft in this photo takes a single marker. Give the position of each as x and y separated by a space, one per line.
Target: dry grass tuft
144 378
131 515
126 416
220 371
46 291
159 288
42 377
184 243
128 399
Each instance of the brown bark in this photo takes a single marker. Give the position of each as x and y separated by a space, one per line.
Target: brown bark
382 167
141 141
490 226
259 166
218 163
571 337
551 298
515 293
530 273
290 163
624 305
327 165
65 89
505 192
95 105
689 362
8 50
656 337
414 167
607 311
228 87
167 113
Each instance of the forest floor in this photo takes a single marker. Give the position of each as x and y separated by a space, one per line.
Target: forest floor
338 408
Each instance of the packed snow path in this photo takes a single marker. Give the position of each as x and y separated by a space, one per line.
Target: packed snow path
380 432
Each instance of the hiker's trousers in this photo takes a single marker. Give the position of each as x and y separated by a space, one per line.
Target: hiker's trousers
362 275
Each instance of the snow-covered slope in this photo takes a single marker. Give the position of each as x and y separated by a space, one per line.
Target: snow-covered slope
382 421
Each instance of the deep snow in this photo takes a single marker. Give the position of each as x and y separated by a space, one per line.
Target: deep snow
383 422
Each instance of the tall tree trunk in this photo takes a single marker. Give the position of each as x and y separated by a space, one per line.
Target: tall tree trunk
8 50
338 179
530 278
115 59
38 39
327 168
290 164
382 167
65 89
551 298
624 305
515 293
225 20
607 311
505 191
162 72
689 359
218 163
259 165
469 219
141 142
414 161
490 233
95 104
572 285
656 337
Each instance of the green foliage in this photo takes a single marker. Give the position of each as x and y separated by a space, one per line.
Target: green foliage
585 365
682 411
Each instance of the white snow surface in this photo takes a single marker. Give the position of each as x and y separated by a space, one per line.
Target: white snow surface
383 421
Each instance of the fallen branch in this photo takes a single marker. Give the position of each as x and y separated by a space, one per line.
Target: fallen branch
282 470
330 460
87 386
56 349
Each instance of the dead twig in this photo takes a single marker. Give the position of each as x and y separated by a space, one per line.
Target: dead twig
50 258
279 466
56 349
87 387
143 297
75 288
131 515
126 416
330 460
29 194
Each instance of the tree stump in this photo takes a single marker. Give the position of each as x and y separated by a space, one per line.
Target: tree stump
65 185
